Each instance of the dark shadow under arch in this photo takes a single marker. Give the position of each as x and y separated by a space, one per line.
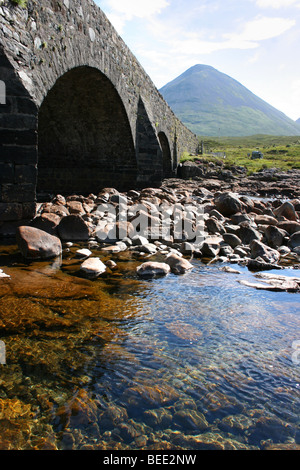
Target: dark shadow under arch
166 154
84 137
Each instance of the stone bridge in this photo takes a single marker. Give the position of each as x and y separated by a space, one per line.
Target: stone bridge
77 110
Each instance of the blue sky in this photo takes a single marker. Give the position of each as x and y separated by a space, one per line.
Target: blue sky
257 42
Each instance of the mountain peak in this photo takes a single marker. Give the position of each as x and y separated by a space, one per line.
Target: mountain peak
211 103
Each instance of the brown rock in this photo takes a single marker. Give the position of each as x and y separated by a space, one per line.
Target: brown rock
47 222
228 204
92 267
73 227
265 220
294 240
274 236
286 210
75 207
290 227
37 244
177 264
152 269
260 250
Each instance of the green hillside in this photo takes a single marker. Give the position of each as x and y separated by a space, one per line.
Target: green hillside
213 104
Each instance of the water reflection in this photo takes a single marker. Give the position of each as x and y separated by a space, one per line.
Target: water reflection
191 362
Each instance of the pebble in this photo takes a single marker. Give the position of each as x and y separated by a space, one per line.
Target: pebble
83 253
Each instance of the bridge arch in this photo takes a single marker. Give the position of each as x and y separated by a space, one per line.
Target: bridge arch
84 136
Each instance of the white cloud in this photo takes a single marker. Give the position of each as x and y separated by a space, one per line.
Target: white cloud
137 8
262 28
120 12
275 3
249 37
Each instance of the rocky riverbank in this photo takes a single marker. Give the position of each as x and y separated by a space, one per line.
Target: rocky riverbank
262 235
270 182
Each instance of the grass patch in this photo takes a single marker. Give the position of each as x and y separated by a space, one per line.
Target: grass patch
20 3
279 152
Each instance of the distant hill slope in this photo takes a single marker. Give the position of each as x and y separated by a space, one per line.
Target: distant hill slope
211 103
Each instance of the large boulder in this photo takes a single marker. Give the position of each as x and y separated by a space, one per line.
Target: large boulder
286 210
274 236
232 240
228 204
214 226
36 244
247 233
290 227
74 228
267 254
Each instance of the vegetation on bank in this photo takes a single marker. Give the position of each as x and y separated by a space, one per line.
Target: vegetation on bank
20 3
278 152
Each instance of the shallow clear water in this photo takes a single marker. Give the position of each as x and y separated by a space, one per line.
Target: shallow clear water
197 361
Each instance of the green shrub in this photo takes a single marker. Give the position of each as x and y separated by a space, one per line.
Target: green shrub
20 3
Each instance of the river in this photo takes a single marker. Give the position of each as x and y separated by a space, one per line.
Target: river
197 361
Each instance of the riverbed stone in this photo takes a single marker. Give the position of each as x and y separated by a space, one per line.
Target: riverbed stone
48 222
36 244
232 240
92 267
228 204
139 240
260 250
290 226
112 232
258 264
225 250
247 233
83 253
214 226
294 240
191 419
264 219
274 236
75 207
210 249
178 264
286 210
151 269
187 248
73 227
